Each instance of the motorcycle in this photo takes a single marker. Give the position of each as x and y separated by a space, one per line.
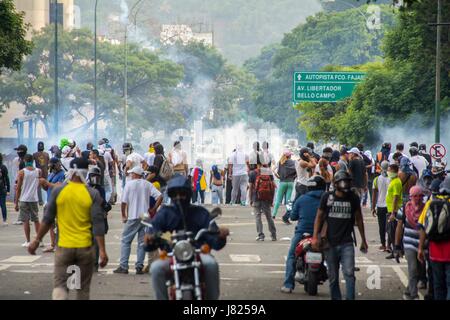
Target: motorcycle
310 266
185 264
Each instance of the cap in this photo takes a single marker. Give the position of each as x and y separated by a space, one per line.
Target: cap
287 152
54 160
21 147
137 170
79 163
355 151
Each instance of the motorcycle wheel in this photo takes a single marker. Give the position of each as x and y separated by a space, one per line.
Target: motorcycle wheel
311 283
187 295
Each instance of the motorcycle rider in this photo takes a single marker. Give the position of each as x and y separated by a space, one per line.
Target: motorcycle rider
304 210
340 210
169 219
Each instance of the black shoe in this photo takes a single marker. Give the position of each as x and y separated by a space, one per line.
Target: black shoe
121 270
259 238
139 271
391 256
96 268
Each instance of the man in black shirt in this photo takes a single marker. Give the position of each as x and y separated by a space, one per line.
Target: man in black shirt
340 210
358 171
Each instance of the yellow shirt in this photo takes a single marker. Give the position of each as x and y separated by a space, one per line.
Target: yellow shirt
74 216
425 209
395 189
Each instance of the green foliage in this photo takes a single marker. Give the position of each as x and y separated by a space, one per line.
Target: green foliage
338 38
13 45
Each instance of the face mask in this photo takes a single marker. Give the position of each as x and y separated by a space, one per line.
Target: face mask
21 154
81 173
151 150
28 164
127 152
343 186
392 175
94 180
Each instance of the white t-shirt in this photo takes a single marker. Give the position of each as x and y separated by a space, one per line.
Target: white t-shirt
329 169
391 157
420 163
136 160
149 157
108 159
302 174
239 161
381 183
137 195
66 163
178 157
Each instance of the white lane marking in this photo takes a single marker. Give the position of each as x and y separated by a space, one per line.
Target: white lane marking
21 259
133 258
266 243
32 271
403 278
362 260
278 271
230 279
4 267
245 258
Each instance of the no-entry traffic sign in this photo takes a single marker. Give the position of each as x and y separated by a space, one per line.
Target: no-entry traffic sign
437 151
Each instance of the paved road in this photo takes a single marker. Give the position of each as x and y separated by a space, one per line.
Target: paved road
249 269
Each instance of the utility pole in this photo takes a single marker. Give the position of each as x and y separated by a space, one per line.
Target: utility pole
56 88
437 105
125 129
95 73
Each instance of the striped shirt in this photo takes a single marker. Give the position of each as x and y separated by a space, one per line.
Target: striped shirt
410 235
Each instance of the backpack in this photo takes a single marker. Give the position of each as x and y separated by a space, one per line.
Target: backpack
265 189
166 171
437 220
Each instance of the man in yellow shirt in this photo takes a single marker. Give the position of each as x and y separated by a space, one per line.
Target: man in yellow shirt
393 203
79 216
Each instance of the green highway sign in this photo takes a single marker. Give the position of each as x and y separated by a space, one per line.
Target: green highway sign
324 86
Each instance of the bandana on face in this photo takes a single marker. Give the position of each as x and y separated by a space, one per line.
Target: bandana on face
81 173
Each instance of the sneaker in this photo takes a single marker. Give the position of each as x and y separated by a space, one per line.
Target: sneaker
422 285
391 256
146 269
42 245
121 270
259 238
286 290
25 244
382 248
17 223
49 249
407 296
5 223
139 271
274 238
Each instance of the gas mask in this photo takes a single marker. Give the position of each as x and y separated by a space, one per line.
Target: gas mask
343 186
127 152
94 180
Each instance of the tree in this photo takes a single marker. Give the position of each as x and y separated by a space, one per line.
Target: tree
150 80
336 38
13 45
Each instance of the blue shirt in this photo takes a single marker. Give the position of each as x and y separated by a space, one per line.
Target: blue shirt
305 210
58 177
168 218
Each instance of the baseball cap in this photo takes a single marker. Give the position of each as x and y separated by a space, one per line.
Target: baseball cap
54 160
21 147
287 152
355 151
79 163
137 170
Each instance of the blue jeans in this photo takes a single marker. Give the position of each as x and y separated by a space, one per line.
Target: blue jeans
441 280
289 281
160 272
132 227
3 206
341 255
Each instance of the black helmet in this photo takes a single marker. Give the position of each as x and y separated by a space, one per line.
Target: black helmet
179 183
316 183
342 175
414 144
423 147
303 151
95 171
127 146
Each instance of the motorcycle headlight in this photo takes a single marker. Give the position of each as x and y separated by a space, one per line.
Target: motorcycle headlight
183 251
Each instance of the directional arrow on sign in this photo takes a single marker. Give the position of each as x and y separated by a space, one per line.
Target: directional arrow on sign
299 77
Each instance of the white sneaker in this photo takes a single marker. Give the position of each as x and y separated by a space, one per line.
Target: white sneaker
17 223
25 244
5 223
42 245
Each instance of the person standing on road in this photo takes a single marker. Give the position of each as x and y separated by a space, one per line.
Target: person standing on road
310 145
398 149
305 167
408 233
382 155
407 176
394 202
423 153
266 156
304 211
4 189
340 210
135 202
216 181
343 161
133 159
198 179
370 176
418 161
78 211
41 159
26 198
55 178
379 208
287 174
178 158
237 166
358 171
262 191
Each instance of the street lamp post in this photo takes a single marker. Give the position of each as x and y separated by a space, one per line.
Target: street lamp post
95 72
56 88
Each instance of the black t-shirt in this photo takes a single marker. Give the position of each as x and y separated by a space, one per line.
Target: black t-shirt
357 169
159 159
340 216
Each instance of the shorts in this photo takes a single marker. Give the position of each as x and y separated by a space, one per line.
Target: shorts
28 211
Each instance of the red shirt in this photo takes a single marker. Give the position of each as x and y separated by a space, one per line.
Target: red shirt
440 251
